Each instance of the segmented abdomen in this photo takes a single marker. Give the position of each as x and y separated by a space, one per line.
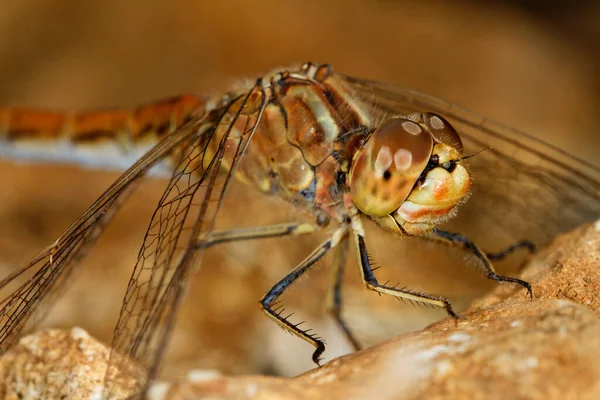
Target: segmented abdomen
104 138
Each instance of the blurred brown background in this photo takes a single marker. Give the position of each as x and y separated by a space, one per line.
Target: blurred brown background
531 66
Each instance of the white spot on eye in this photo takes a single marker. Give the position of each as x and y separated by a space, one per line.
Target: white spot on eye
403 159
411 127
436 122
383 161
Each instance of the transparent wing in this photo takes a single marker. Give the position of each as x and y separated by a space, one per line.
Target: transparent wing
48 271
523 188
187 209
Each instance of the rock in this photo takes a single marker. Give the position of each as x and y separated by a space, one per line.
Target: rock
504 346
568 269
57 364
545 350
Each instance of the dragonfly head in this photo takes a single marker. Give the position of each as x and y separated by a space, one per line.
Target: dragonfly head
410 169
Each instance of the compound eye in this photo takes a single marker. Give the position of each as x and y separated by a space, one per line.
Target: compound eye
385 170
442 131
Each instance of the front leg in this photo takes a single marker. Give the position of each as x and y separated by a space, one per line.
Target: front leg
463 243
371 282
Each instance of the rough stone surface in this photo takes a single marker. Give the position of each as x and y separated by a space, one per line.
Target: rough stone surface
568 269
57 364
505 346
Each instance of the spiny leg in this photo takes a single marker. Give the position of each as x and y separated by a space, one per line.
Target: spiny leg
501 255
463 243
334 303
271 296
371 282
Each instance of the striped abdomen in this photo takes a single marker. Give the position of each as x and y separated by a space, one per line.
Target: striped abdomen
295 152
106 138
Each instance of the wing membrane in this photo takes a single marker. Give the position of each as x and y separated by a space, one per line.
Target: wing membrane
55 264
187 208
523 188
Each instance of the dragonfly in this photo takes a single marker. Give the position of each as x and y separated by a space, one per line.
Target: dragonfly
338 149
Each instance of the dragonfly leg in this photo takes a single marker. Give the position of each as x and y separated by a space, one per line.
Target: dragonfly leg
334 303
269 299
463 243
371 282
523 244
261 232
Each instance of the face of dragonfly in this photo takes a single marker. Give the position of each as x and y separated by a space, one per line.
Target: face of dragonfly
408 177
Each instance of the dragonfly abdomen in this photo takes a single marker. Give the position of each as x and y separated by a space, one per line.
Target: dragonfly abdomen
112 139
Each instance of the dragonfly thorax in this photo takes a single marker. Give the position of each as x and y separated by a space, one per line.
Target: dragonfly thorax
410 169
